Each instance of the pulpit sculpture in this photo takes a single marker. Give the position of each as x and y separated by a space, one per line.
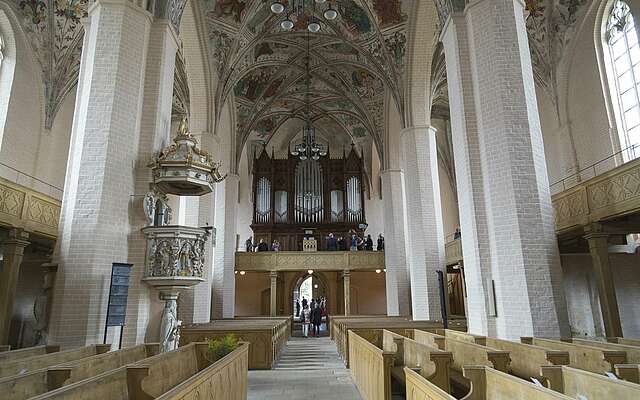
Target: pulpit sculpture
175 258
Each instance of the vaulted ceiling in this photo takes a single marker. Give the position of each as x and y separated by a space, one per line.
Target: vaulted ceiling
354 61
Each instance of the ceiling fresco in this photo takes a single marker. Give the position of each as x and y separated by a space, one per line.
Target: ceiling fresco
354 60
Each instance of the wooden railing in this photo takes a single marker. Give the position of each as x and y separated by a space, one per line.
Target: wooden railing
613 193
317 261
24 208
453 252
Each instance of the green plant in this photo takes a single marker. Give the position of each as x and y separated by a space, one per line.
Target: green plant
218 348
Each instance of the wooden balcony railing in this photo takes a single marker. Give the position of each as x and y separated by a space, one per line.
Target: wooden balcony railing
317 261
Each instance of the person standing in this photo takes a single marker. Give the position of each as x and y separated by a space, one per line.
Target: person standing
332 243
368 244
275 246
306 319
305 302
380 246
249 245
262 246
316 319
342 245
354 242
297 308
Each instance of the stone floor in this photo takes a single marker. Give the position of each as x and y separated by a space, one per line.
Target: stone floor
307 369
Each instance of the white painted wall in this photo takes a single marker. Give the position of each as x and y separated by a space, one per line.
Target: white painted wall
582 294
28 150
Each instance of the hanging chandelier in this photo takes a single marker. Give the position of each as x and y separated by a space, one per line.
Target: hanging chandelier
308 148
296 12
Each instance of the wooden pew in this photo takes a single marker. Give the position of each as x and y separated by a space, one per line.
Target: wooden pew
226 379
370 329
627 341
417 387
490 384
267 337
370 368
526 359
14 355
574 382
588 358
429 362
628 372
37 382
633 352
25 365
464 352
4 348
178 374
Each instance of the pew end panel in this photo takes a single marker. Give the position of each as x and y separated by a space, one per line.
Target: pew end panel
417 387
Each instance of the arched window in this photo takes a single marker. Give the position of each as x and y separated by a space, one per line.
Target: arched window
624 52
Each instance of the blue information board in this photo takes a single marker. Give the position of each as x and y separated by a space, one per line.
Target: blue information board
118 292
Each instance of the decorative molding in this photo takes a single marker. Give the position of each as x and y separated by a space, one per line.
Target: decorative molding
318 261
24 208
612 194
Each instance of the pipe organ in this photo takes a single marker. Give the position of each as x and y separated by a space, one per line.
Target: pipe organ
291 196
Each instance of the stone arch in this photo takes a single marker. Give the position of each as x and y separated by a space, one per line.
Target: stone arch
424 28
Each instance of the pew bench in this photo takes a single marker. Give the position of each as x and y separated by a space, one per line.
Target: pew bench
372 330
371 368
588 358
633 352
13 355
589 385
179 374
267 337
4 348
430 362
465 352
490 384
29 364
25 386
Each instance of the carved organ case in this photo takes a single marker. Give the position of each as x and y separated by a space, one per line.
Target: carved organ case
291 196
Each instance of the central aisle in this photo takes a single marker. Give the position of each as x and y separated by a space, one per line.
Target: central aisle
307 369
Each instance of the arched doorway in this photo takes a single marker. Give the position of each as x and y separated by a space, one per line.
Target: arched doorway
307 286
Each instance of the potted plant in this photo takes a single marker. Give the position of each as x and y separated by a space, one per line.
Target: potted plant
218 348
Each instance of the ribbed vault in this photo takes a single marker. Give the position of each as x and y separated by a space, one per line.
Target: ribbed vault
354 61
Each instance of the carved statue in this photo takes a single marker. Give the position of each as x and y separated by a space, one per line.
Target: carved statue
169 326
42 305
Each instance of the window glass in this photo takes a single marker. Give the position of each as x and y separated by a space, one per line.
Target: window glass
622 41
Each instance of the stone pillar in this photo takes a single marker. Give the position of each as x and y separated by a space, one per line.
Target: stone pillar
155 134
274 293
425 238
599 249
346 281
9 273
469 178
395 257
96 214
224 281
516 204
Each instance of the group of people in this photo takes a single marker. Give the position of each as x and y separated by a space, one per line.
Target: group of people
354 243
312 315
261 246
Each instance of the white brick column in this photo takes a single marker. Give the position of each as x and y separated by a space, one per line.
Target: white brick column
524 259
95 218
155 134
425 232
469 178
395 257
224 280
